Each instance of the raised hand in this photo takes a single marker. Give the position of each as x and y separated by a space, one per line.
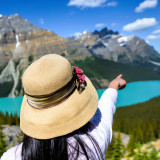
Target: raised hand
118 83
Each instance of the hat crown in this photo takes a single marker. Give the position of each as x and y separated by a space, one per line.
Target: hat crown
47 75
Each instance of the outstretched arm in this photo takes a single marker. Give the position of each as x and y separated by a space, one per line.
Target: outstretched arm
107 104
105 112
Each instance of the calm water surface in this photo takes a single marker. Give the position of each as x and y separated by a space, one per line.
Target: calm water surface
135 92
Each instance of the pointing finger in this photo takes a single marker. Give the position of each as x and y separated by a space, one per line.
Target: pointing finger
119 76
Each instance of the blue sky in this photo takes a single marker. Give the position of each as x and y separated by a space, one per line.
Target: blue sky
68 17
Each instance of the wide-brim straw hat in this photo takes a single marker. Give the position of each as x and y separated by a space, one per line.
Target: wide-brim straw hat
42 116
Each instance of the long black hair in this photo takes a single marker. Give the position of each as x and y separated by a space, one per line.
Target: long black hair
60 148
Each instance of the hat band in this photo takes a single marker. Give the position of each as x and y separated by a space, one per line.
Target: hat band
44 101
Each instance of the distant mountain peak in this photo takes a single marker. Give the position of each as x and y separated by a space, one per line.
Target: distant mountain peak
85 32
84 35
15 23
109 44
105 31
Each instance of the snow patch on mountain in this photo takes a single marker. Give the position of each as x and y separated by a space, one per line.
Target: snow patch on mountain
18 48
137 43
108 38
122 40
17 40
82 36
155 63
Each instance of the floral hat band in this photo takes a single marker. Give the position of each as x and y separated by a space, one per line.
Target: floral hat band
45 101
80 79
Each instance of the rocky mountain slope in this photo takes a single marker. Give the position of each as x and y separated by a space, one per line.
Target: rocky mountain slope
19 38
110 45
21 43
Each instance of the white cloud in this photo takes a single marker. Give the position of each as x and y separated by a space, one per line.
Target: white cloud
86 3
112 4
153 37
99 25
156 31
140 24
41 21
146 4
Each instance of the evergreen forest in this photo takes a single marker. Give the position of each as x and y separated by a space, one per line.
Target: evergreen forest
140 121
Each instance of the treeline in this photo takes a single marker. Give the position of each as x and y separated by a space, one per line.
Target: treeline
105 69
2 142
6 119
141 121
116 151
9 119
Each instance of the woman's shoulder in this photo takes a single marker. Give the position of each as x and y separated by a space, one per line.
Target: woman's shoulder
13 153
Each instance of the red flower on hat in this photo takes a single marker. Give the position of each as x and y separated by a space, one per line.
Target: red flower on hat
80 79
80 74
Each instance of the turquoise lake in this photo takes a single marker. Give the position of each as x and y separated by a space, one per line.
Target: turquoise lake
135 92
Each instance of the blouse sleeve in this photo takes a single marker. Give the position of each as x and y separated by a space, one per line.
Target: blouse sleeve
107 107
13 153
103 118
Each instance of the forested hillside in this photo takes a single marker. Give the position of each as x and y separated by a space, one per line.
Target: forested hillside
100 69
141 121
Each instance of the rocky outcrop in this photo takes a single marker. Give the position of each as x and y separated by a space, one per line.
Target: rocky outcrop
21 43
12 135
124 137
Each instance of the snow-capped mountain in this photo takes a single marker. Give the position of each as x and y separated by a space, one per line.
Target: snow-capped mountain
113 46
21 43
82 36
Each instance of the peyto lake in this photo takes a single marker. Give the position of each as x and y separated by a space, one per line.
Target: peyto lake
135 92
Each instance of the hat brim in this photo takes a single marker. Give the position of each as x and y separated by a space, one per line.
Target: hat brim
61 119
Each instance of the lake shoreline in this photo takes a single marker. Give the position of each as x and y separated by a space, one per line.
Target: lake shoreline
134 93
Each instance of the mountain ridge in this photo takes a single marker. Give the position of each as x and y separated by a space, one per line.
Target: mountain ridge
21 43
111 45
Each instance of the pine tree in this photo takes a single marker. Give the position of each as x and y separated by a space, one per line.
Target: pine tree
20 136
2 143
139 134
131 145
6 118
110 149
16 120
152 138
118 148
